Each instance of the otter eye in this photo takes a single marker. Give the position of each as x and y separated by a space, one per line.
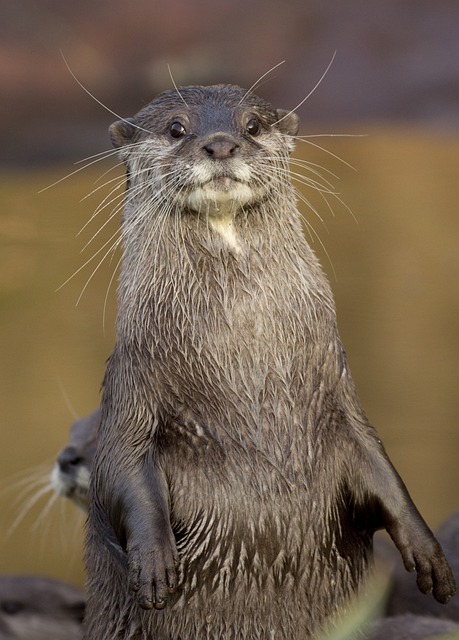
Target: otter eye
253 127
177 130
11 606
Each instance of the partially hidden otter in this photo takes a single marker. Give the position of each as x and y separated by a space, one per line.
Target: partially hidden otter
237 482
71 471
39 608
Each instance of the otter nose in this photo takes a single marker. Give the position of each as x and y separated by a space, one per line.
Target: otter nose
221 148
68 459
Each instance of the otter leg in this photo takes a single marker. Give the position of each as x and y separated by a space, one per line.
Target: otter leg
140 516
383 502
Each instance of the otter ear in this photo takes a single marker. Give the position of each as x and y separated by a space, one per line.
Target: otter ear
122 132
288 122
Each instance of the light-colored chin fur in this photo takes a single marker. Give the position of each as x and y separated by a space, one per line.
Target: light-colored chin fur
219 203
73 488
219 208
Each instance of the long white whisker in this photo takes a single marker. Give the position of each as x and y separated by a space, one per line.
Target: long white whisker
310 93
88 261
72 173
98 101
27 507
330 135
107 253
25 478
119 179
330 153
45 511
115 211
257 82
313 167
175 86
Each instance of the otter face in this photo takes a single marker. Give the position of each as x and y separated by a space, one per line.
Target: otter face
70 475
39 608
207 150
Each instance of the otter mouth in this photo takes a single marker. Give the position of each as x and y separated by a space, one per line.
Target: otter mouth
221 183
220 195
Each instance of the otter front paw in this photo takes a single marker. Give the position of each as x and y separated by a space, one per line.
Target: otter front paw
433 571
153 572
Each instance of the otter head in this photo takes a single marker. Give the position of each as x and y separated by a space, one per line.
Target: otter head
210 151
39 608
70 475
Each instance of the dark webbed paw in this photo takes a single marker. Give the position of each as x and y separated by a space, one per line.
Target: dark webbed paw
153 572
435 576
425 556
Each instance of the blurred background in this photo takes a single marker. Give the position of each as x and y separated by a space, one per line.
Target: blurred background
388 240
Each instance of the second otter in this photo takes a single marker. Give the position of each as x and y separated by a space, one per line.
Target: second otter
237 481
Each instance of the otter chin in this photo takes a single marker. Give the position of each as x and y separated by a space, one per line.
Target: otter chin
220 197
237 481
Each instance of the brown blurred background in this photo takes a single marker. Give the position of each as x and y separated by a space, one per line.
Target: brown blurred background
395 80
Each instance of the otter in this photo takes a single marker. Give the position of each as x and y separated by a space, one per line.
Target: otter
71 471
237 481
39 608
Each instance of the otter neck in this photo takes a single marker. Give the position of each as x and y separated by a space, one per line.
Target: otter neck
198 268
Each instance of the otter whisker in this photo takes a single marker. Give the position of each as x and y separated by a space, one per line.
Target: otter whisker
323 191
98 101
118 180
27 506
312 232
310 93
26 490
314 168
311 167
45 511
91 258
109 251
257 82
112 215
108 201
329 135
330 153
24 477
311 183
315 236
103 156
175 86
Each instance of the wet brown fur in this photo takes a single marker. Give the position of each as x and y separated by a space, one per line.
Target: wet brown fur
237 482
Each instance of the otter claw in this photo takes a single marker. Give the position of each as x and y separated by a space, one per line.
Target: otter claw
145 604
160 604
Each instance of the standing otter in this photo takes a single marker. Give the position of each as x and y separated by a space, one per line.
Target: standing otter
237 482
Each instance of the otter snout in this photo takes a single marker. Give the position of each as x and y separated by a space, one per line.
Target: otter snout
68 459
220 147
